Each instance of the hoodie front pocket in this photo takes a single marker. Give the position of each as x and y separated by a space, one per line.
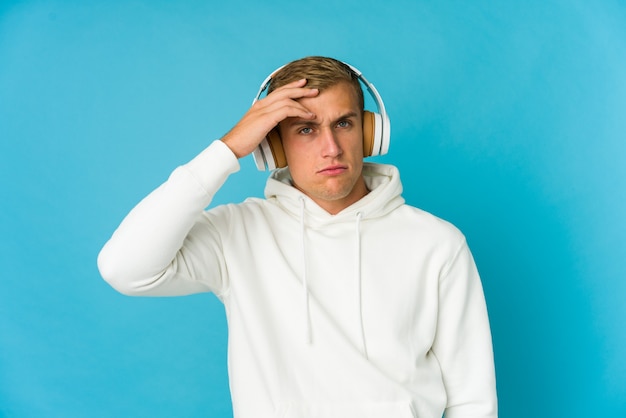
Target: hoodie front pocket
347 410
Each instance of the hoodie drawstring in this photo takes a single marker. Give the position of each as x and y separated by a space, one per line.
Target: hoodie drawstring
305 283
359 293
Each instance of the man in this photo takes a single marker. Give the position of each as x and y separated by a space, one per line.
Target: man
342 301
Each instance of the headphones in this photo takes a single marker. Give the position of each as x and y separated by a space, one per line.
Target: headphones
270 155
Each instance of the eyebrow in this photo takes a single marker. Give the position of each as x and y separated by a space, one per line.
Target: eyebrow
306 122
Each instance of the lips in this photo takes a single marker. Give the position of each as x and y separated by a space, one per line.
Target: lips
333 170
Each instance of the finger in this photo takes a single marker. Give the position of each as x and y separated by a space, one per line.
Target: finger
294 86
288 109
292 93
298 83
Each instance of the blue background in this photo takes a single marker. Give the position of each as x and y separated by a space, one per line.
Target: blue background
508 119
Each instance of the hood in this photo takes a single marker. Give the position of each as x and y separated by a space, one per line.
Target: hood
382 180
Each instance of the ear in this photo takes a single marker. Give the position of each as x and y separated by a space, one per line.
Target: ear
276 145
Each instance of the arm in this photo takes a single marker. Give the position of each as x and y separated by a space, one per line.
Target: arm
463 343
140 257
150 253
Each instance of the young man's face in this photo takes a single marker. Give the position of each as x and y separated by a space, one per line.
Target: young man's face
325 155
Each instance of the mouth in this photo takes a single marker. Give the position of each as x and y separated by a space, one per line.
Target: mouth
333 170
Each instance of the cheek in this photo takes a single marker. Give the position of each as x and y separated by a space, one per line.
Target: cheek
298 159
288 148
355 144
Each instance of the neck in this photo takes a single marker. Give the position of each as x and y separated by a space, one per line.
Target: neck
334 206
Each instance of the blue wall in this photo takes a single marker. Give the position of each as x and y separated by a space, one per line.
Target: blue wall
508 120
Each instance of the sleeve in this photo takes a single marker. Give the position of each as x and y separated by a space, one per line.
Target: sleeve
153 251
463 343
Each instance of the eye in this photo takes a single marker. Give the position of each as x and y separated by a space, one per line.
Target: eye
344 124
305 131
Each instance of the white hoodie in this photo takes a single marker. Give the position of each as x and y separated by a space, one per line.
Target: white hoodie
377 311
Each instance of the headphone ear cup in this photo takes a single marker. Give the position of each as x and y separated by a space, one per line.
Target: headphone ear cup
276 145
368 133
372 134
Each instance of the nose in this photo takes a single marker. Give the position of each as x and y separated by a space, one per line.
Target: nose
330 144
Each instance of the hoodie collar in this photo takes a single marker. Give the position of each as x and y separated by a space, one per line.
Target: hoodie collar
382 180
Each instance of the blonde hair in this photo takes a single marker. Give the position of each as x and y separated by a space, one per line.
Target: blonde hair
320 72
